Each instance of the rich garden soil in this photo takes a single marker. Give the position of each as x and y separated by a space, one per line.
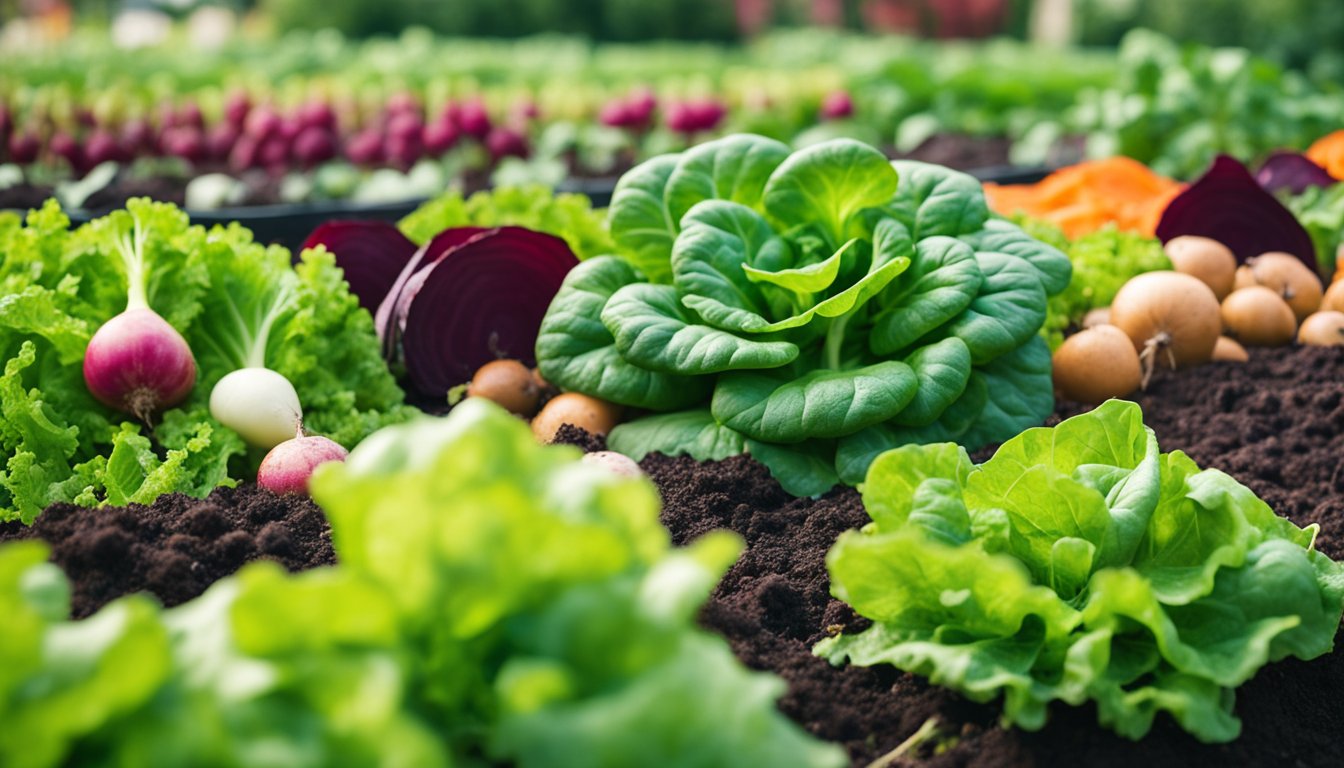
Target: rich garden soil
178 546
1276 424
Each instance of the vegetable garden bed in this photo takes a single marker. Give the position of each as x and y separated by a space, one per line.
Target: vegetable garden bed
1276 424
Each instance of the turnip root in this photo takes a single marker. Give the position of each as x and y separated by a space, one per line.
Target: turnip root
1287 276
1097 364
508 383
616 463
1322 329
1169 317
1206 259
289 465
139 364
1228 350
257 403
594 416
1258 317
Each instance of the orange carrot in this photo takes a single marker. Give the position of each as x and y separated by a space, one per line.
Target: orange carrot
1328 152
1082 198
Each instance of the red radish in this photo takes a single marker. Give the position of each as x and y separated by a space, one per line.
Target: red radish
219 142
473 119
365 148
439 137
262 122
289 465
837 106
640 106
137 136
236 108
24 148
317 114
314 145
63 145
506 142
615 114
102 148
137 362
244 154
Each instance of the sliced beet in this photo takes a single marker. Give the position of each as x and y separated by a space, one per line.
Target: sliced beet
391 313
482 301
1227 204
1293 172
371 253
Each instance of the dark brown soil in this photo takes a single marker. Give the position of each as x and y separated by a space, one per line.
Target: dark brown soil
178 546
1276 424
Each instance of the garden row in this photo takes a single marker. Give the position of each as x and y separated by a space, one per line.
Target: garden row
763 328
319 118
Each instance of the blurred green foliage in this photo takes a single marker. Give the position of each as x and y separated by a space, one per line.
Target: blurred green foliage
621 20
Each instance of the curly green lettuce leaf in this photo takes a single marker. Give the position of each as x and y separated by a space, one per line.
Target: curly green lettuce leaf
1080 564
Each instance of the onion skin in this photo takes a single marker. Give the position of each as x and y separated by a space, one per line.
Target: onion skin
1322 329
289 465
1172 314
139 364
596 417
1287 276
1259 317
1334 297
1095 365
1204 258
1228 350
1098 316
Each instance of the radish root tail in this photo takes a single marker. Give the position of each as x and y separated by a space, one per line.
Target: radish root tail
1148 358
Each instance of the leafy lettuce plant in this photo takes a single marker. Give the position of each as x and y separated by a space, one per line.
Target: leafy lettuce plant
1080 564
235 301
494 600
813 308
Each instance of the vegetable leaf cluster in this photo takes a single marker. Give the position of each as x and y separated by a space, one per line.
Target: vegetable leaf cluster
814 308
1080 564
495 600
236 302
566 215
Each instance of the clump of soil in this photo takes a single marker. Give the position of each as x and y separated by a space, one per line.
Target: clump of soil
178 546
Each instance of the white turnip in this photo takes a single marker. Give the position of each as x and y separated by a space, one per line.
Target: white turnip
289 465
1171 318
1097 364
1258 317
1322 329
1206 259
616 463
257 403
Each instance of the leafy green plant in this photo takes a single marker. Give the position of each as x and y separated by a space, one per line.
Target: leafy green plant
566 215
218 289
1080 564
494 599
1321 211
812 308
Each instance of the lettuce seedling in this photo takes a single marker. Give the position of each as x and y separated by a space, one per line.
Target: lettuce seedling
813 308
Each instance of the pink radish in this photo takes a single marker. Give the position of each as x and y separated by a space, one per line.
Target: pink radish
289 465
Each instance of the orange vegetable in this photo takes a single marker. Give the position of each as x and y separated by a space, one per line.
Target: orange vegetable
1085 197
1328 152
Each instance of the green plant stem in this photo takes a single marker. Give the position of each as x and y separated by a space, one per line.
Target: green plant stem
133 253
835 339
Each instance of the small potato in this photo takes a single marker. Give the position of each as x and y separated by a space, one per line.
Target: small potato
1334 297
1258 317
616 463
1098 316
1206 259
1228 350
508 383
594 416
1097 364
1286 275
1322 329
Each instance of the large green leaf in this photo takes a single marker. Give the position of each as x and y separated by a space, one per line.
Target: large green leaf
732 168
1019 393
802 469
933 200
943 370
692 433
640 222
1008 310
653 330
820 403
1052 265
575 351
720 239
944 277
830 184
